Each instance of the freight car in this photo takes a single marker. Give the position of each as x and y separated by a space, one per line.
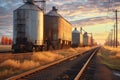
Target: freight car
57 30
28 27
77 38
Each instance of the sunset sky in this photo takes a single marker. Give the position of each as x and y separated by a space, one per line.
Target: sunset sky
94 16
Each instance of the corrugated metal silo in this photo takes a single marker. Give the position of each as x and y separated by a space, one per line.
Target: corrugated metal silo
75 38
81 39
57 29
85 39
28 24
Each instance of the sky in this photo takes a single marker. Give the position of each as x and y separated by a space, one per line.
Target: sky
94 16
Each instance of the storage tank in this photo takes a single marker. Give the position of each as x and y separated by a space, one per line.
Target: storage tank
28 26
75 38
89 41
81 39
57 29
85 39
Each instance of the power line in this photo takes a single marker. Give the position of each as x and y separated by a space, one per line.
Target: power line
112 8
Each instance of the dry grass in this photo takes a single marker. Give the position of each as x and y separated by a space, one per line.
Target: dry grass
6 73
10 64
110 57
16 63
115 52
46 57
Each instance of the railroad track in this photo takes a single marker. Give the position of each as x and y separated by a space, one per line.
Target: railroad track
71 68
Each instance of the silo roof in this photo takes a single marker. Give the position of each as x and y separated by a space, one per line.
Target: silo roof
53 13
85 34
29 7
75 31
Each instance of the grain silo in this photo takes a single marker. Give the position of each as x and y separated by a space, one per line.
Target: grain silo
28 27
75 38
57 29
85 39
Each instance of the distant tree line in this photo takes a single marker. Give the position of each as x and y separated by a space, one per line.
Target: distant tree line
6 40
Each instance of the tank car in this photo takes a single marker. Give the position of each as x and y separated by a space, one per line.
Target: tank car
28 27
57 30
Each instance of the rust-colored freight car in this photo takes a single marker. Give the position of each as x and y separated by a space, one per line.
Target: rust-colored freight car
57 30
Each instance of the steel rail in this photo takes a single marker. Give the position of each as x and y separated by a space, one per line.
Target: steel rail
85 65
43 67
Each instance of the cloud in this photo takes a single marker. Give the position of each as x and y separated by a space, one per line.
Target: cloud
81 12
6 11
93 21
3 11
70 9
74 10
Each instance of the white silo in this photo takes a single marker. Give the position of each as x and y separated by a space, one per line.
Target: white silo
28 26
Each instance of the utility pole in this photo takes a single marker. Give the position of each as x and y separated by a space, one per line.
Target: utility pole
114 42
116 29
116 23
111 38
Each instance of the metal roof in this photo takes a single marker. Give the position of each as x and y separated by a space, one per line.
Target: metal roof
29 6
75 31
53 12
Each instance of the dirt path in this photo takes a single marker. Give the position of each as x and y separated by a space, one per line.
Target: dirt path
103 72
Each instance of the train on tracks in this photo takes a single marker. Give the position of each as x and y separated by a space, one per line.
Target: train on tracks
35 31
